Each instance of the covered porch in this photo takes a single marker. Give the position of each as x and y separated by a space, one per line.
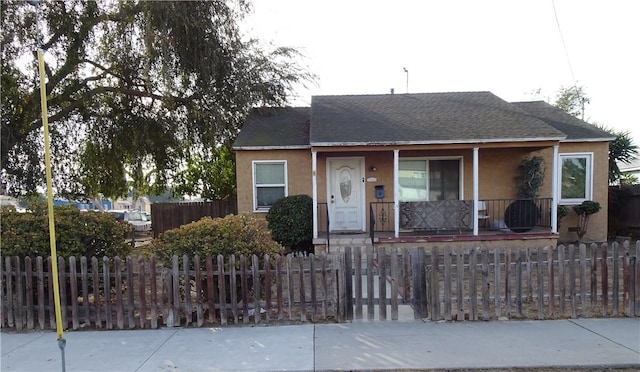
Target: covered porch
375 189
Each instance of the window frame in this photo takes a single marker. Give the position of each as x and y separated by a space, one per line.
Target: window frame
427 159
255 186
588 187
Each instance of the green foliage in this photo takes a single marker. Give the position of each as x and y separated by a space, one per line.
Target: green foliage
213 178
77 233
131 85
572 100
587 208
584 210
239 235
621 150
563 212
291 222
530 178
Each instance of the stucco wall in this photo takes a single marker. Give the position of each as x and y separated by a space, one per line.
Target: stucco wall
497 171
298 173
597 229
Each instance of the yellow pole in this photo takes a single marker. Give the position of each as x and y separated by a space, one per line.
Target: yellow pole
52 231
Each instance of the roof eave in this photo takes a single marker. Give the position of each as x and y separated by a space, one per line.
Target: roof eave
438 142
254 148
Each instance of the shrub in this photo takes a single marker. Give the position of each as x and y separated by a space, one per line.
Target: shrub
290 220
77 233
239 235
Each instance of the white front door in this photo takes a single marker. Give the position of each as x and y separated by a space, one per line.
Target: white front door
346 193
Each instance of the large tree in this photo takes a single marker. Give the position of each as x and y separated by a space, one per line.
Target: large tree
131 85
621 150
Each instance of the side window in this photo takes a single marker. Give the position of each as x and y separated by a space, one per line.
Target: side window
269 183
576 177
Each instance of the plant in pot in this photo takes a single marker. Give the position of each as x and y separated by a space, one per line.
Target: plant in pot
522 214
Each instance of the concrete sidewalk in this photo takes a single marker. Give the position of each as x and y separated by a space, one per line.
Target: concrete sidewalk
361 345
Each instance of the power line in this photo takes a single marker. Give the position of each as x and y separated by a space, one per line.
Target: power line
564 45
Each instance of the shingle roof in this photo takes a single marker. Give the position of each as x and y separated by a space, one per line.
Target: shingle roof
284 127
422 119
461 117
574 128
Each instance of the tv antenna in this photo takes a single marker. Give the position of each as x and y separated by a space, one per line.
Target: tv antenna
407 72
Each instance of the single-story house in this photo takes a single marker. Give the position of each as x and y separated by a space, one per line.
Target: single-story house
428 168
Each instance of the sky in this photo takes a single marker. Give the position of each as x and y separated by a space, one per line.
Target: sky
519 50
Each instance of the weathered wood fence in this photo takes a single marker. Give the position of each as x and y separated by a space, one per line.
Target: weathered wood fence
540 283
139 293
166 216
450 284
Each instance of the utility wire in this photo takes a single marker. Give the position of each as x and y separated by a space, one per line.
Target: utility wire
564 45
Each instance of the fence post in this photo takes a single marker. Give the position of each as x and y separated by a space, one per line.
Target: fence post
447 283
419 283
348 282
632 286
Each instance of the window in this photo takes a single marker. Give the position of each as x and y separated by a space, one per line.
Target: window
269 183
429 179
575 177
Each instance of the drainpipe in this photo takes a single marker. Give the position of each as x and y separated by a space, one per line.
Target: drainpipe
396 187
554 191
314 192
475 191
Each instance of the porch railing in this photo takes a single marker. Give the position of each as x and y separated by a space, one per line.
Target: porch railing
381 217
518 215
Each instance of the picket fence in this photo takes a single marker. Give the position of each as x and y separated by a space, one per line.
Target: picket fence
438 284
117 294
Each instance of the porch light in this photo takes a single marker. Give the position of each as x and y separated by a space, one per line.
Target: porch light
372 168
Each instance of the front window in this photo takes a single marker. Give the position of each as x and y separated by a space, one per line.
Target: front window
429 179
269 183
575 178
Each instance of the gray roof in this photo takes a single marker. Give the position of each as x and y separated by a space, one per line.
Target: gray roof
465 117
574 128
427 118
283 127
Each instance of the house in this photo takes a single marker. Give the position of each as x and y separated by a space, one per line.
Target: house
632 168
433 168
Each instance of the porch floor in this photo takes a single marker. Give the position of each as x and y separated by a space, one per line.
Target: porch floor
484 237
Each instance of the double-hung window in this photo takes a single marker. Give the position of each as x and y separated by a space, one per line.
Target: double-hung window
430 179
269 183
576 177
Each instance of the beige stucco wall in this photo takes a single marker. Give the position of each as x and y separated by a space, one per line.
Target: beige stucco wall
497 170
597 229
298 174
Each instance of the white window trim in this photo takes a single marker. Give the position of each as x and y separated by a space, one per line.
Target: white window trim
589 177
427 158
254 187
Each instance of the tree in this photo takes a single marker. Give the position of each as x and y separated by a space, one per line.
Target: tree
213 178
621 149
572 100
131 85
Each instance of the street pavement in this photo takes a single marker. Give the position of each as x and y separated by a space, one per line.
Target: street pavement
362 345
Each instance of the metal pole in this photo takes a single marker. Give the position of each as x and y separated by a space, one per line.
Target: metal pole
52 232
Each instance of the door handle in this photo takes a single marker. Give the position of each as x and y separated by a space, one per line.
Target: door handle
332 198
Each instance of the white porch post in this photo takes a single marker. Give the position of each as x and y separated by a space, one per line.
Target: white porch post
554 191
475 191
396 194
314 192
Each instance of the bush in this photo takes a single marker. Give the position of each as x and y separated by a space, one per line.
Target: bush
290 220
77 233
239 235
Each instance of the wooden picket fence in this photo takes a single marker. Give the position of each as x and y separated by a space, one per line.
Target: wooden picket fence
438 284
139 293
478 283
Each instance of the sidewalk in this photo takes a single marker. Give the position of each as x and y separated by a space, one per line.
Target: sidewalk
361 345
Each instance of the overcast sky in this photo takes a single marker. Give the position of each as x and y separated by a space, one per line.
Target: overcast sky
508 47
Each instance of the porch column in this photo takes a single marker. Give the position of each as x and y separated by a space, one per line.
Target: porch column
396 196
554 191
314 191
475 191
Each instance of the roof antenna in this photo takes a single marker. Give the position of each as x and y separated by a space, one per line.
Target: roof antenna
407 72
